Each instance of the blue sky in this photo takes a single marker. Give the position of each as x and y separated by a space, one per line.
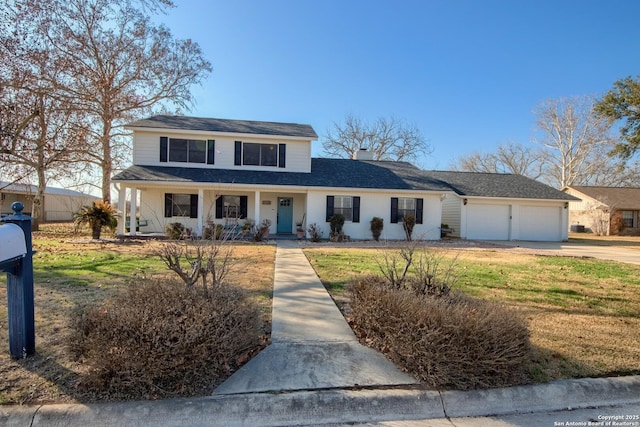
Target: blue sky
467 73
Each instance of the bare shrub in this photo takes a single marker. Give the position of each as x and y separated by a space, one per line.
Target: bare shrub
209 261
315 233
394 265
452 342
164 339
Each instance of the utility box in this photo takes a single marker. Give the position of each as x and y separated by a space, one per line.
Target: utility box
12 246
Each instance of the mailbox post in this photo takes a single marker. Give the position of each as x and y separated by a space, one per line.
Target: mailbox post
16 259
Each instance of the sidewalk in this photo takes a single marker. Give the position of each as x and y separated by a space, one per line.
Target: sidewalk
312 346
316 373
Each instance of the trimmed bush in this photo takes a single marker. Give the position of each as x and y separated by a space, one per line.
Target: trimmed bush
165 339
450 342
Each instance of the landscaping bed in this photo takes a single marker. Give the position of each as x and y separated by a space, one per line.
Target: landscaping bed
72 271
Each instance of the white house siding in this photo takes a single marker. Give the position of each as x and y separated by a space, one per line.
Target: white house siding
372 204
451 213
146 151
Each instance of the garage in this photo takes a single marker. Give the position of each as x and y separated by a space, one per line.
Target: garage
541 223
488 222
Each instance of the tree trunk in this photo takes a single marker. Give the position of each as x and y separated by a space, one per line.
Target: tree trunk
96 230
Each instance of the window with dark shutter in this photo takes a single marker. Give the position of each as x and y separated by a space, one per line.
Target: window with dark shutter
282 155
329 212
356 209
419 209
193 211
394 210
168 205
211 152
237 156
164 148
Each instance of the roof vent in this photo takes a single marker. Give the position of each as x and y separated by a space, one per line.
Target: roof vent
363 154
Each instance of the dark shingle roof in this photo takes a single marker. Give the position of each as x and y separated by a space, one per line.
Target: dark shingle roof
618 197
511 186
343 173
225 125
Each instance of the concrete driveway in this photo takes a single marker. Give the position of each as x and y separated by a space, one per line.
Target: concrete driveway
578 249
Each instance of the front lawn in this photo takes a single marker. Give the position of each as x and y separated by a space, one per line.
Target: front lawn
584 314
71 271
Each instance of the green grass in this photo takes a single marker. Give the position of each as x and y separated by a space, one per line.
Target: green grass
586 286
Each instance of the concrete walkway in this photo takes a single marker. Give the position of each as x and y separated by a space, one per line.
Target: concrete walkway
312 346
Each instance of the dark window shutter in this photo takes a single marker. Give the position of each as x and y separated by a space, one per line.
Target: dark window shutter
237 157
211 152
394 210
282 155
219 206
356 209
243 206
193 206
168 205
164 148
330 200
419 209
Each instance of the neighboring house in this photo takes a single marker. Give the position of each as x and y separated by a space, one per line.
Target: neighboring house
59 204
200 171
599 205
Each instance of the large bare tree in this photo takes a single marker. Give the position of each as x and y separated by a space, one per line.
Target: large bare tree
512 158
385 138
115 65
576 139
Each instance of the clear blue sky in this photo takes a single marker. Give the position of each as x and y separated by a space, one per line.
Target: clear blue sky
467 73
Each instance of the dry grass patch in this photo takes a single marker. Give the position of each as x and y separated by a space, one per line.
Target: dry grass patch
72 271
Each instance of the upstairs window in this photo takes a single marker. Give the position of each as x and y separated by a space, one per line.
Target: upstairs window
401 206
187 150
256 154
347 206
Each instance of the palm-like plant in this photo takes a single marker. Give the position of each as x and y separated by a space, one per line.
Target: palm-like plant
98 215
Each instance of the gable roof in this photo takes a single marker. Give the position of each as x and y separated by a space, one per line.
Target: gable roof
225 126
617 197
346 173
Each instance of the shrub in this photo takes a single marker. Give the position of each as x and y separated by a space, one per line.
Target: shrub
174 230
450 342
315 234
213 232
336 222
408 222
164 339
262 230
377 224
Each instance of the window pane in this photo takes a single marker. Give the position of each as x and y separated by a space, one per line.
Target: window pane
197 151
231 206
181 204
269 155
178 150
627 218
343 205
251 153
405 207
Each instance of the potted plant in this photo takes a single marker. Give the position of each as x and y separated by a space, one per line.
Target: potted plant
262 230
377 224
299 230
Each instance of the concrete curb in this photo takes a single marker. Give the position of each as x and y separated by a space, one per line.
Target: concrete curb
332 406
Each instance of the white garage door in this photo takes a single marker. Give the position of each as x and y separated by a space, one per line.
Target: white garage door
540 223
488 222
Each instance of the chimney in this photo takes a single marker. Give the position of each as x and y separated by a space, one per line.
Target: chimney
363 154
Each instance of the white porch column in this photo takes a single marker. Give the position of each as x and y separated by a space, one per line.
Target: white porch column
134 208
122 204
256 213
200 211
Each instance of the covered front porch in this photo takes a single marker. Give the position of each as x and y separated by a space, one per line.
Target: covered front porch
152 208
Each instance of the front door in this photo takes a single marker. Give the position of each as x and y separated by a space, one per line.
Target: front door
285 215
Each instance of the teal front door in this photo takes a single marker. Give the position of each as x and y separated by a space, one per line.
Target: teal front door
285 215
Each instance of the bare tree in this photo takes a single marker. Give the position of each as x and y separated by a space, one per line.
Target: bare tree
386 138
576 139
116 66
509 158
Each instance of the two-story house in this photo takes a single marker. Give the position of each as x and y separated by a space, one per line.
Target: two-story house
199 171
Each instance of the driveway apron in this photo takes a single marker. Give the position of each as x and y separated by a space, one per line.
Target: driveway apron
312 346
